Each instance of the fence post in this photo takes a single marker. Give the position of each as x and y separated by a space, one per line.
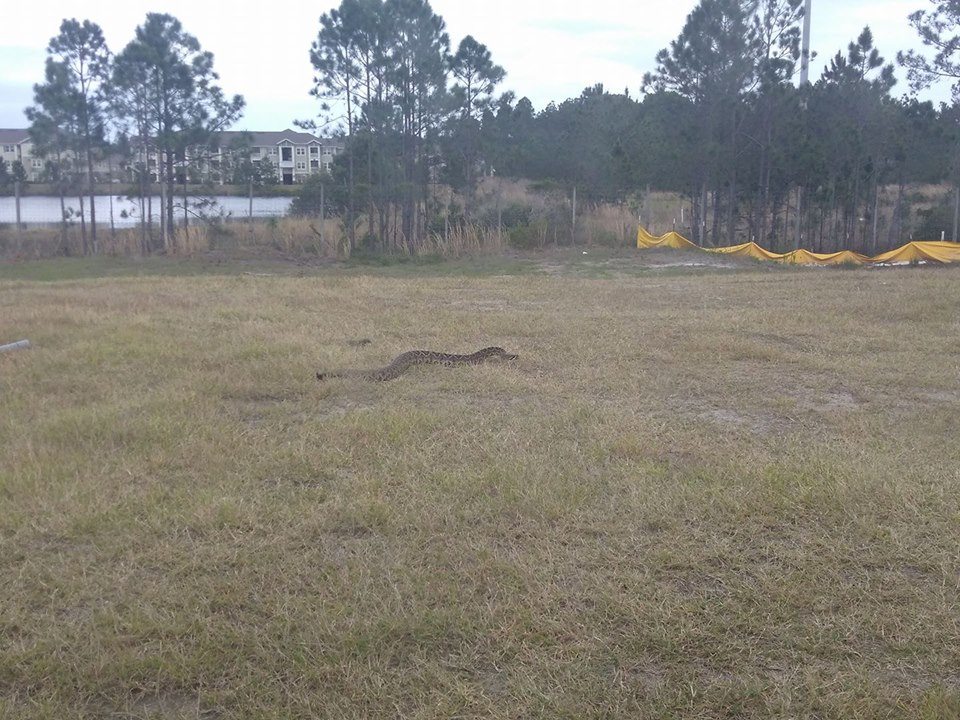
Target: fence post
16 195
250 209
323 230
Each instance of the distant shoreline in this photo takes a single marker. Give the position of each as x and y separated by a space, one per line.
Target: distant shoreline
127 190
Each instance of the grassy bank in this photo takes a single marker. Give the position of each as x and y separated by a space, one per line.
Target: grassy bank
725 495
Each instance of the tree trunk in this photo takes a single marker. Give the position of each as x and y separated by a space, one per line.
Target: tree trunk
798 239
732 210
715 228
896 224
876 217
956 212
144 246
64 248
149 192
83 227
351 229
93 205
704 208
164 220
171 194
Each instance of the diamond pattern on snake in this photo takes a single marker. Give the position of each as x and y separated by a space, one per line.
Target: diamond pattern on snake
407 360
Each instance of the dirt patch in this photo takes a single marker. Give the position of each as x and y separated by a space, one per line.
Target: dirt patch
692 264
829 401
168 706
941 396
755 423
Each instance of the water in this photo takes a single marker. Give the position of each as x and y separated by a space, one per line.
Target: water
43 210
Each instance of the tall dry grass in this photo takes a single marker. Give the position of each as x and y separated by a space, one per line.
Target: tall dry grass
490 226
459 241
290 237
550 210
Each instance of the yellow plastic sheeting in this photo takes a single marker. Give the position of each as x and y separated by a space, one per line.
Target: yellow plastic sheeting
805 257
941 252
750 250
670 240
917 251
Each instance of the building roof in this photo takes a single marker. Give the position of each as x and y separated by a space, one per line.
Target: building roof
13 136
268 138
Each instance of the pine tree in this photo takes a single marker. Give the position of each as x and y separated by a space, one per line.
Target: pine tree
70 110
186 107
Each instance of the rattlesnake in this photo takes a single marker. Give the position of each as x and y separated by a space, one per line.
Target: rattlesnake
404 362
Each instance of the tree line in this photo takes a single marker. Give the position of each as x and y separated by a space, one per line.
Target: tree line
721 121
156 98
412 110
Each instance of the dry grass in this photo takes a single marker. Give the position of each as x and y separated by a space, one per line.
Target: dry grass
290 237
607 224
714 496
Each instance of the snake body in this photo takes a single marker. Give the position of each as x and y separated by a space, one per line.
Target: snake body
405 361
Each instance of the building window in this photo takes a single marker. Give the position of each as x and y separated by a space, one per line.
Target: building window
8 148
301 166
37 163
273 151
301 151
314 150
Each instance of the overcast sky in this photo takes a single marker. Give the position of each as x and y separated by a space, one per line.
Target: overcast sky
550 50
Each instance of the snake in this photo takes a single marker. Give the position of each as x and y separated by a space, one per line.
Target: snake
407 360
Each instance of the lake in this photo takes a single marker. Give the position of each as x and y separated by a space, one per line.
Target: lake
43 210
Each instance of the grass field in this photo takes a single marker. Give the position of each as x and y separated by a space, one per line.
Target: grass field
710 494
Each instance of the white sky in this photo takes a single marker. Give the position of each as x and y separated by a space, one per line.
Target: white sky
551 50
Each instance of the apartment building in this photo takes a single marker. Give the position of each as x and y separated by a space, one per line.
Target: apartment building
15 144
295 156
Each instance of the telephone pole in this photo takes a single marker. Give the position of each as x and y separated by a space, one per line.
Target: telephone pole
805 56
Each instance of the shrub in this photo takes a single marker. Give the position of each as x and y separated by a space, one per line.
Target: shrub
936 220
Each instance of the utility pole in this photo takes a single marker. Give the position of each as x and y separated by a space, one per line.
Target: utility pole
804 80
805 55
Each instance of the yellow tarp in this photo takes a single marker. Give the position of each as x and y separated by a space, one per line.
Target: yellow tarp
805 257
750 249
670 240
938 252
